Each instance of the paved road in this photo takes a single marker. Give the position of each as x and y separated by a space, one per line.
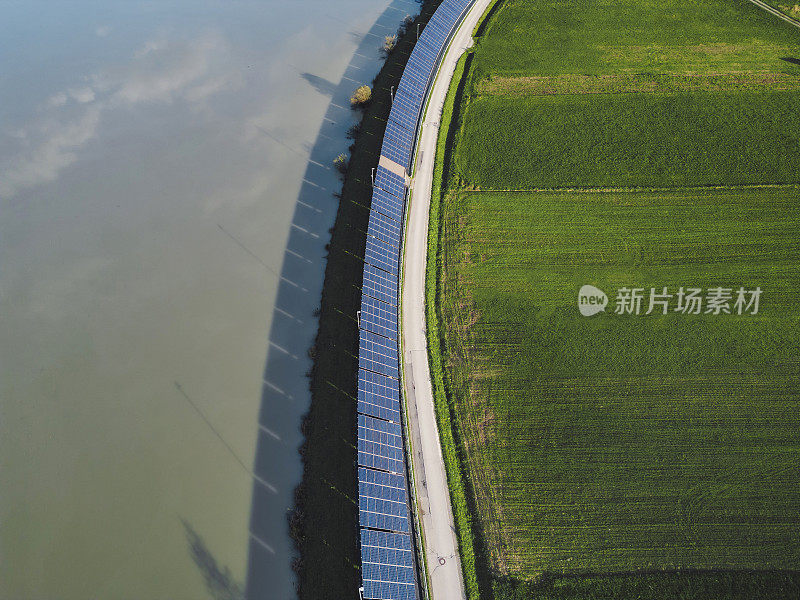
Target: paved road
443 564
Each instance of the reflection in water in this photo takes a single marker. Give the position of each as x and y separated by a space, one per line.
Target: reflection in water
293 330
219 580
152 159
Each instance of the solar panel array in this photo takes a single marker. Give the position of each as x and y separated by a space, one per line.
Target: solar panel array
387 551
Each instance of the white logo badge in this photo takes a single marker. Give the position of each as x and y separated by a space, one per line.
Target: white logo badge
591 300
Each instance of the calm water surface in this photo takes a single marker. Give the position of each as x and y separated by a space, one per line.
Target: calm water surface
154 169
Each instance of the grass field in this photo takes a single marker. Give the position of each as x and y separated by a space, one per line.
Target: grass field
641 140
790 9
623 455
608 37
636 93
621 441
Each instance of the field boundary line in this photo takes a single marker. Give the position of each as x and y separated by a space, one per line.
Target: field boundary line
632 190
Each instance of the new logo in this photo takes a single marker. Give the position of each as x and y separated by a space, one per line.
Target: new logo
591 300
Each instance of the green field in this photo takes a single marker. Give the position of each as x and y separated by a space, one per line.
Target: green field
606 37
642 140
632 144
621 441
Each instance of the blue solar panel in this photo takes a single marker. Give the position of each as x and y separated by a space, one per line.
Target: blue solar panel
397 142
405 113
386 549
378 396
378 354
379 284
426 55
408 101
417 74
382 500
380 444
382 256
384 228
434 37
446 14
378 317
390 182
385 202
431 43
387 563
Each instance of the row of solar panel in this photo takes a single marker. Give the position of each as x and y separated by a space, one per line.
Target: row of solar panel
387 558
387 565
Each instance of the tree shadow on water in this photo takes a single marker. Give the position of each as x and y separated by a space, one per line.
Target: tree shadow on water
218 578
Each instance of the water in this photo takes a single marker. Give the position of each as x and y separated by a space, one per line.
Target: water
165 198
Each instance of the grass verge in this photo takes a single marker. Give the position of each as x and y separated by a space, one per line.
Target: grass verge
448 434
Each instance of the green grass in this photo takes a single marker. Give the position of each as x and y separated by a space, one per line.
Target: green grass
620 456
450 436
658 586
611 37
632 140
635 93
790 9
620 443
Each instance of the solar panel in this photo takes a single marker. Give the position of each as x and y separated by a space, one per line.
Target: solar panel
387 563
446 14
380 444
384 228
385 202
426 55
382 500
378 354
417 74
403 113
379 317
378 396
433 37
431 43
409 101
378 254
397 142
379 284
386 549
390 182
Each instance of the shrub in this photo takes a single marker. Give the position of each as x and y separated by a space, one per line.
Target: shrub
361 96
340 162
389 43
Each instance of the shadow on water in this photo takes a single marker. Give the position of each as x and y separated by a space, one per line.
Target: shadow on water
322 85
218 579
285 393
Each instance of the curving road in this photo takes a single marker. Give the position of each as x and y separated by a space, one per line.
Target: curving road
433 497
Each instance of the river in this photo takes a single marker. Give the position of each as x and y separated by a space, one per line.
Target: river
165 196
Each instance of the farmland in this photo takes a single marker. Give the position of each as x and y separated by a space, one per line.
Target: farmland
639 140
625 145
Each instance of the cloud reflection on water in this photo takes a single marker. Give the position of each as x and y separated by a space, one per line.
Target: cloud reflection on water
160 71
